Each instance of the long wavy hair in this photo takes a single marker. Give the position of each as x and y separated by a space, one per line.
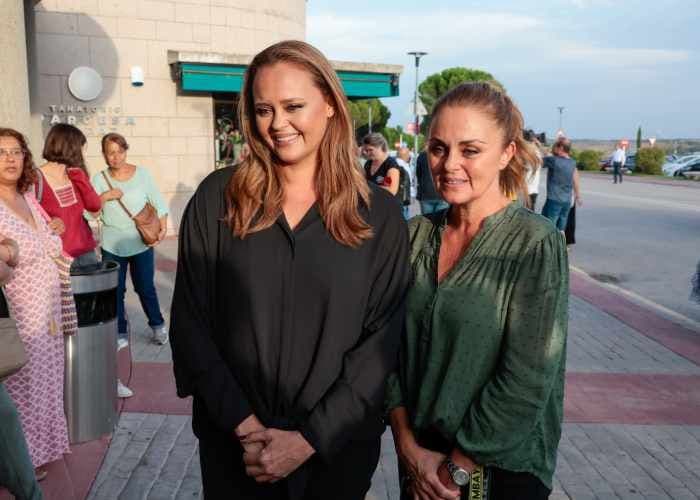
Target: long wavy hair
512 179
29 175
255 193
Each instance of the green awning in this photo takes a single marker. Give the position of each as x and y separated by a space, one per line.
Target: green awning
229 78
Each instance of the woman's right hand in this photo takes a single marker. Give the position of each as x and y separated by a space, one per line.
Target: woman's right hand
112 194
422 468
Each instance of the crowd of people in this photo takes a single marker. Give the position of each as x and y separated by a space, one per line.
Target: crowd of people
307 312
45 234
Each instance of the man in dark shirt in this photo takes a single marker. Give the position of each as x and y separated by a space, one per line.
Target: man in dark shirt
428 196
562 178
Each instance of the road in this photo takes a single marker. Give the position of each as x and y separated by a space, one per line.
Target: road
641 236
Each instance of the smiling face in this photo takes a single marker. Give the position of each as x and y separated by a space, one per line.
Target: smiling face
11 160
291 113
466 155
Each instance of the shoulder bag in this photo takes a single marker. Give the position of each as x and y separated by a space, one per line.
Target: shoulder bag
146 221
12 354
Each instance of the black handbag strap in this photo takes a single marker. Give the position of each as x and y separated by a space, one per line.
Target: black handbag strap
121 204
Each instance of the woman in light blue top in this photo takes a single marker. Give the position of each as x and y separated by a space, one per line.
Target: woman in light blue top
121 241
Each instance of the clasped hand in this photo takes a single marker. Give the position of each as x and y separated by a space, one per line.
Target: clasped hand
272 454
423 467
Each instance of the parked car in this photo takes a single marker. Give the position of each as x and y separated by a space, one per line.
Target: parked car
690 170
672 168
630 164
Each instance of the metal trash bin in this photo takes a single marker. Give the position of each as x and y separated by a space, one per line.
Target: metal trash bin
90 389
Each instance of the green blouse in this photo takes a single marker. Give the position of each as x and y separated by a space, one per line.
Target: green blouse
483 357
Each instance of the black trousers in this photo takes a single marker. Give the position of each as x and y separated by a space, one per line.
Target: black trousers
503 484
533 201
348 477
617 171
570 231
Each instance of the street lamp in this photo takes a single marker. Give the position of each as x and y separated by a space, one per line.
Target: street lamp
561 119
417 55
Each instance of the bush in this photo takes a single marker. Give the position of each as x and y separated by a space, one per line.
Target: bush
650 160
588 159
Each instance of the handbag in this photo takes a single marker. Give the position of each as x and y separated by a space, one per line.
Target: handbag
147 221
69 315
12 354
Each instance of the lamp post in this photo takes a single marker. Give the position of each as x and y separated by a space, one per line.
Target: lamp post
561 119
417 55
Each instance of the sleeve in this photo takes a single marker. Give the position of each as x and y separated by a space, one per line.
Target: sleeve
91 200
98 183
154 195
199 368
533 353
394 392
359 392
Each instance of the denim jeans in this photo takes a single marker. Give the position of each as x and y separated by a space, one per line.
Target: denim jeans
16 469
142 269
405 210
431 206
617 171
557 212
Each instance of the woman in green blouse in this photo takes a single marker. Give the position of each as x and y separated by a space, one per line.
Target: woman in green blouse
476 401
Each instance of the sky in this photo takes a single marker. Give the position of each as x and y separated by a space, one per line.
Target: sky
614 65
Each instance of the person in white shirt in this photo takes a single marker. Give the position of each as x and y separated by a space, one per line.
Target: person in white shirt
618 161
533 171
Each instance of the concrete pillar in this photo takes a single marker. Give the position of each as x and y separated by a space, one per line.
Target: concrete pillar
14 85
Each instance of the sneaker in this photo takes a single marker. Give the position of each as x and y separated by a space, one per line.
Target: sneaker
122 343
123 391
160 335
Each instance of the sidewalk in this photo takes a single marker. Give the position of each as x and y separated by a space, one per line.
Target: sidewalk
632 412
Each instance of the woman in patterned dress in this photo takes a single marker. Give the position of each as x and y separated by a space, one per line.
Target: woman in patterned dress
34 298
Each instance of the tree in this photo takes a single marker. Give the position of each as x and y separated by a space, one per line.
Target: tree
359 111
639 138
396 134
437 84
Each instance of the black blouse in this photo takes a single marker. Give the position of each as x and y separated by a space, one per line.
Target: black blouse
289 325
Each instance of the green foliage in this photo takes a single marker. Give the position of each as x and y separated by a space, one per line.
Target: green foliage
639 138
359 111
396 134
587 159
650 160
437 84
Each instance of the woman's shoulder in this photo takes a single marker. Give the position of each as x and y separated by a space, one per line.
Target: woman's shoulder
215 182
421 225
531 227
383 205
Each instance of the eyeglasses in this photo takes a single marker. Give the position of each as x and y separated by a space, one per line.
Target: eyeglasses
11 153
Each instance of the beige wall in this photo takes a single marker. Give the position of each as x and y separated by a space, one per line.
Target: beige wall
14 87
171 133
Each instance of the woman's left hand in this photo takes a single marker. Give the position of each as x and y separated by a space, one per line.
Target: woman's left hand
283 453
57 226
163 231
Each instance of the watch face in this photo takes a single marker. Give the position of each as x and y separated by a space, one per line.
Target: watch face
460 477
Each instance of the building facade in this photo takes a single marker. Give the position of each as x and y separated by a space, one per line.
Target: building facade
163 73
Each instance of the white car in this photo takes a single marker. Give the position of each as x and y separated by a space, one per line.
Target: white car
670 169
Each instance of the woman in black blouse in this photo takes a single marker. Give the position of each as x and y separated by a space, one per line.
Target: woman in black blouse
288 299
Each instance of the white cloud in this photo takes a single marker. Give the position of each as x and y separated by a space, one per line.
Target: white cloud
620 57
385 37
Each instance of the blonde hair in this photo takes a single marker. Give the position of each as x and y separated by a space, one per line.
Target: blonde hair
255 193
512 179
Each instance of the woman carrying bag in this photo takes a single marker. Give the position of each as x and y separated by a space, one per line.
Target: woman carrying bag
128 193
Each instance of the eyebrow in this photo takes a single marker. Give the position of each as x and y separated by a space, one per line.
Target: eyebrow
284 101
466 142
